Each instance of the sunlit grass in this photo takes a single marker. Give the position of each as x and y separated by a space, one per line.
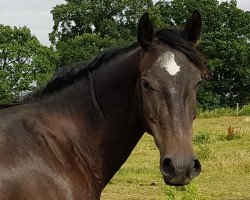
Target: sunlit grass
225 166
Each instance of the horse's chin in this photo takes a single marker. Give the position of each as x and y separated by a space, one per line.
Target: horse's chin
175 183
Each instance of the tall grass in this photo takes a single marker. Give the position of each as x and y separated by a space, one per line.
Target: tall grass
223 112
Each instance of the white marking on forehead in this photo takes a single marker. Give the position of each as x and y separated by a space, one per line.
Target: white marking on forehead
167 61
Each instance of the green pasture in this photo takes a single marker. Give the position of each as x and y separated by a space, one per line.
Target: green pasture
223 147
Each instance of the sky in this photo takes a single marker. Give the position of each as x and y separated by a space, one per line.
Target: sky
35 14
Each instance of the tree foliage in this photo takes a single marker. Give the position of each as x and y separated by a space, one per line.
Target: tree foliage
116 19
86 27
24 62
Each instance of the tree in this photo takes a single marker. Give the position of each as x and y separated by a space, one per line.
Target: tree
226 45
229 61
82 47
83 28
24 62
104 17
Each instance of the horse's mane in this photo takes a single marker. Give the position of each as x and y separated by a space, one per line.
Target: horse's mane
67 75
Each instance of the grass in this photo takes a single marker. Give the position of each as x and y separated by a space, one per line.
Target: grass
219 112
225 166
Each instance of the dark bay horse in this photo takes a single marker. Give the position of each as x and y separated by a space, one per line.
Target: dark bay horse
67 140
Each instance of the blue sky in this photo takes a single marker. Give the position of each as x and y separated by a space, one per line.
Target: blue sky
35 14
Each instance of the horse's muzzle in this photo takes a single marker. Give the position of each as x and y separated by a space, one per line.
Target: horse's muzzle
179 173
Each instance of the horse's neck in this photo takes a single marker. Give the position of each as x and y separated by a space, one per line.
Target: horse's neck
116 96
105 143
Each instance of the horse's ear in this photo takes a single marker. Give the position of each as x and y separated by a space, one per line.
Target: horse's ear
145 32
192 29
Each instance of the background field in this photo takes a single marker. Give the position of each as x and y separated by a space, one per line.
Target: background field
223 147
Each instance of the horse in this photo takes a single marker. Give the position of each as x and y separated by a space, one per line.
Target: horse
67 140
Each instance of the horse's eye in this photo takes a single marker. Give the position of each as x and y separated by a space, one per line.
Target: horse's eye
145 84
199 83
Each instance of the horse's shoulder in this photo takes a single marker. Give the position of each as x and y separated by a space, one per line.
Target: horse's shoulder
27 174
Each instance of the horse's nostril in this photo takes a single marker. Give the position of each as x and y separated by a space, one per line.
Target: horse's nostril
168 166
197 165
195 171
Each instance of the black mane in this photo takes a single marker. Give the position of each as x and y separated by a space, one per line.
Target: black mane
69 74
